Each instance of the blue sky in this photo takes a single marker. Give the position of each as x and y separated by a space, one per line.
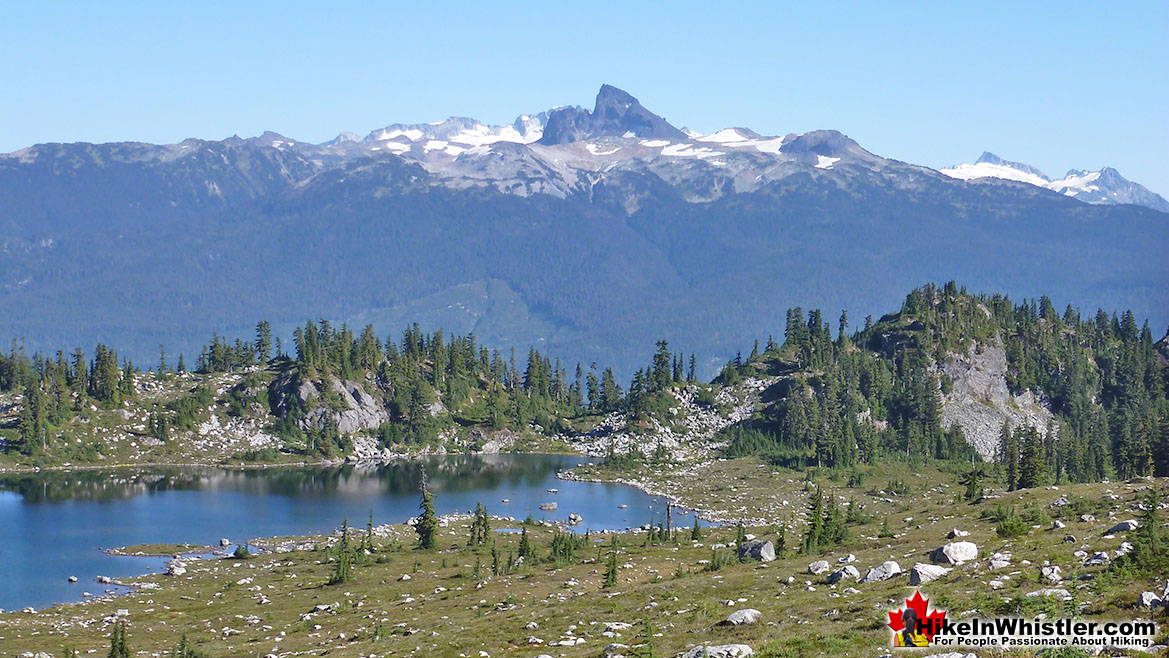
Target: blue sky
1073 84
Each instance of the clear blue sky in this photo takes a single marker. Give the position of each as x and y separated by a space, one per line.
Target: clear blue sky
1056 85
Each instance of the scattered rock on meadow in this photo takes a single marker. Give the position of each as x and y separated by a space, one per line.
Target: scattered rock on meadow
763 551
1149 600
1123 526
847 571
955 553
924 573
883 572
1048 591
719 651
1051 574
743 617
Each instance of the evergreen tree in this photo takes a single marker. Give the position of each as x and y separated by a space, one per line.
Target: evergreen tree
1032 462
118 646
610 579
427 525
263 341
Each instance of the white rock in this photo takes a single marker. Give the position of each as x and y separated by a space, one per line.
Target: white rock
847 571
1097 559
818 567
956 533
1058 593
1149 600
924 573
763 551
1123 526
1052 574
884 572
743 617
955 553
719 651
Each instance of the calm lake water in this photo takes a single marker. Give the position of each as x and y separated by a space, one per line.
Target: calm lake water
56 525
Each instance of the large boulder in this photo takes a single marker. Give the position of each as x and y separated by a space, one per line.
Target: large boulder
847 571
1051 574
1149 600
1123 526
718 651
955 553
884 572
818 567
1099 558
175 568
763 551
743 617
925 573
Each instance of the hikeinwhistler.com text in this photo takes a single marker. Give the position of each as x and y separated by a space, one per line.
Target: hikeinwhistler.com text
1009 632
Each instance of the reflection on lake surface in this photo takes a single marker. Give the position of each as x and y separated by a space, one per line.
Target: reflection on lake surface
54 524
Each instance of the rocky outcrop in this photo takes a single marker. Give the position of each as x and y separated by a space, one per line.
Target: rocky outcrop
980 402
346 402
493 442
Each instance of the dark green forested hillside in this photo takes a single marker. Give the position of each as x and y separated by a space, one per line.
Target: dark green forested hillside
875 393
103 242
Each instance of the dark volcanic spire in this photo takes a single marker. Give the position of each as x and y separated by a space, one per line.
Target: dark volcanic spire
615 114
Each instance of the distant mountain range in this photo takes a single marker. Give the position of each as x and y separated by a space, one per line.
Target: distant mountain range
589 232
1103 186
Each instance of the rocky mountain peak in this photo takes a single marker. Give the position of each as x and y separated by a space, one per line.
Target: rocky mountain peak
615 114
990 158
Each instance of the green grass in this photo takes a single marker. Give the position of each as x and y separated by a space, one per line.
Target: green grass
453 614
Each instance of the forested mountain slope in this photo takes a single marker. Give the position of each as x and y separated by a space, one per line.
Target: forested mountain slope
590 244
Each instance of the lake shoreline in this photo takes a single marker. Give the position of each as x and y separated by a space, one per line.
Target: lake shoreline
69 468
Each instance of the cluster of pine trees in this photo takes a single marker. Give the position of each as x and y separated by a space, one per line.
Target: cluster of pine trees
876 394
477 385
850 400
53 389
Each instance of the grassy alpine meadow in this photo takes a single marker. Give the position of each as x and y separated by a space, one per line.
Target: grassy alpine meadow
513 589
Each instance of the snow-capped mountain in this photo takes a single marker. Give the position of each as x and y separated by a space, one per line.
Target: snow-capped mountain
570 150
1105 186
593 231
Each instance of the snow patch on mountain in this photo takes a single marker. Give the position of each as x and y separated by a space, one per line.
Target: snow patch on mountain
1105 186
987 170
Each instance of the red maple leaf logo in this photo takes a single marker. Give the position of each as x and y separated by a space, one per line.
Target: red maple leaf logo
930 621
